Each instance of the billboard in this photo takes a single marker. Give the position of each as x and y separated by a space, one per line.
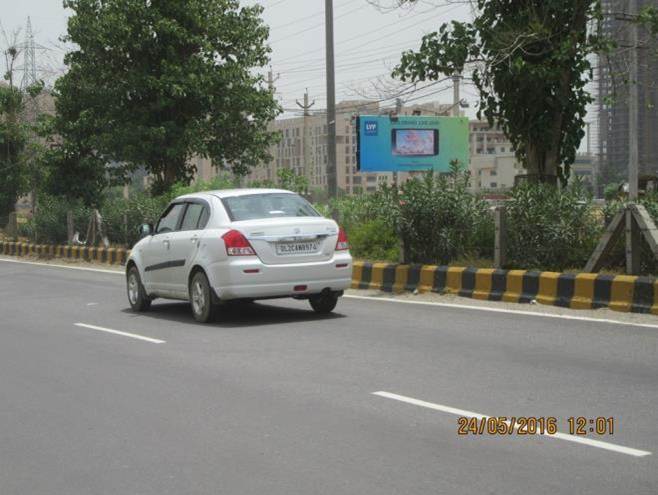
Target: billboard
405 143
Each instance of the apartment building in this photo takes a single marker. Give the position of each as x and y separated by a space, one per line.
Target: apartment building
613 98
303 148
493 165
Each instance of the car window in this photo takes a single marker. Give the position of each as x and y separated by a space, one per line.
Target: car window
203 219
192 218
169 221
268 205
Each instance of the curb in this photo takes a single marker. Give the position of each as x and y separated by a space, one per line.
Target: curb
569 290
624 293
112 256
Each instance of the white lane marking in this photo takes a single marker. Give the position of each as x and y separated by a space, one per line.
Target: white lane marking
400 301
560 436
92 304
124 334
53 265
504 310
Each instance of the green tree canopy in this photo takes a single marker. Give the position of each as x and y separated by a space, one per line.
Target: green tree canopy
13 137
529 62
154 83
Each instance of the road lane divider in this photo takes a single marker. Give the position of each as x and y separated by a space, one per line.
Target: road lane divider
568 290
620 449
123 334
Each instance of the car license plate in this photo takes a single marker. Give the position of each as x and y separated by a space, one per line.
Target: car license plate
291 248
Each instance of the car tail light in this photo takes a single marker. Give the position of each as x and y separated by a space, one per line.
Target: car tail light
237 244
342 244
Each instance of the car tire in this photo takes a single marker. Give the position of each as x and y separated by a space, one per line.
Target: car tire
324 303
137 296
202 301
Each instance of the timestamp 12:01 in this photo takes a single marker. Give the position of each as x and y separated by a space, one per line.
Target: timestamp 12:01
581 425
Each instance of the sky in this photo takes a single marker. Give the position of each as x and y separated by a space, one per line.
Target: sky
368 42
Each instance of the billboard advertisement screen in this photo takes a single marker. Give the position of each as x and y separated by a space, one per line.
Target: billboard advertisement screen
415 142
408 143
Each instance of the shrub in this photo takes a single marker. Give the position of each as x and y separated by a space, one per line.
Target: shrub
550 228
374 240
48 223
439 219
122 218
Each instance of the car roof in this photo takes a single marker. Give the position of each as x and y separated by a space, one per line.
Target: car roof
225 193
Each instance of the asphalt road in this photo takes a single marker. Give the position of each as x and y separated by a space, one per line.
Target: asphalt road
273 399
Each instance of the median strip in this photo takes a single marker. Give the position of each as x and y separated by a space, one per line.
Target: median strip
560 436
123 334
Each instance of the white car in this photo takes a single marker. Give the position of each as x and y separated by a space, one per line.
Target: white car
240 244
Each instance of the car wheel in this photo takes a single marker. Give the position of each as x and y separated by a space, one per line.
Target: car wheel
137 297
201 298
324 303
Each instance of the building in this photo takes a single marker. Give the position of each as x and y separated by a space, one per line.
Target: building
613 99
493 164
303 148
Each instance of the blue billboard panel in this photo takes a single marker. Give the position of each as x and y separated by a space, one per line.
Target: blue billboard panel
408 143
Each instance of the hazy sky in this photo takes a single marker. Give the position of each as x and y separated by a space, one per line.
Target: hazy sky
368 42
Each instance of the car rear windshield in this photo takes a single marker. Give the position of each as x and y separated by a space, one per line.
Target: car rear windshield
271 205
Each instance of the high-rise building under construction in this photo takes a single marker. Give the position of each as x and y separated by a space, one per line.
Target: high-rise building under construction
614 76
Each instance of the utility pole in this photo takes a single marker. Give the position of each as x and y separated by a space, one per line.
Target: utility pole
306 106
456 98
633 110
271 80
331 99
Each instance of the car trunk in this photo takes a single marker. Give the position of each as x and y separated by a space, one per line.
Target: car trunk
290 239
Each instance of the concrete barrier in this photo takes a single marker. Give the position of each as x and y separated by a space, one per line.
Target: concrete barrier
569 290
113 256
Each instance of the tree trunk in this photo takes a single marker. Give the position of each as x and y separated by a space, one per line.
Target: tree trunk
69 226
542 161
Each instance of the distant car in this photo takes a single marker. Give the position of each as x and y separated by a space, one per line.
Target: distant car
241 244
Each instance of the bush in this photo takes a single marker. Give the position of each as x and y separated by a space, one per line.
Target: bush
550 228
374 240
439 219
48 223
122 218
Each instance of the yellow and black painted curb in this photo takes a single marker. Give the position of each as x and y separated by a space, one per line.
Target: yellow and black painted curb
570 290
114 256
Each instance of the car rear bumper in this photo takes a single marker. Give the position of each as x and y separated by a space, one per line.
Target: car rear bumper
238 279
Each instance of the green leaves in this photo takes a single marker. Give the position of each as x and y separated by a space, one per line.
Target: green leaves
550 228
13 138
156 83
528 60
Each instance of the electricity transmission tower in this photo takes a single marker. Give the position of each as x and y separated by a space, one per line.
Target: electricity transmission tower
29 58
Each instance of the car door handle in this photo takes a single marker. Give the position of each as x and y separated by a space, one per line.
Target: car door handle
194 239
166 243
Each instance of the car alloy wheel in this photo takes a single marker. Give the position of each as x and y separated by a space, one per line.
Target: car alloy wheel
198 298
133 288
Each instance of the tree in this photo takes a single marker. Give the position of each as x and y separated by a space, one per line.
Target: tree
13 137
529 61
154 83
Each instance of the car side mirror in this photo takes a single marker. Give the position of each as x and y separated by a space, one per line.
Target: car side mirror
145 230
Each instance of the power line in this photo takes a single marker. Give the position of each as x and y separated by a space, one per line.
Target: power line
316 14
315 26
360 36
